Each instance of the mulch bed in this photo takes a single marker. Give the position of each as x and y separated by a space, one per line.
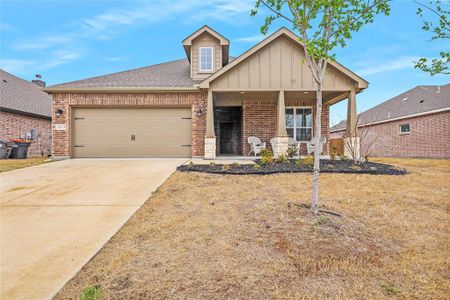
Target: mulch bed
326 166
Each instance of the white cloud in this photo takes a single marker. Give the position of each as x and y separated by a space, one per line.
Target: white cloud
251 39
16 65
114 58
5 27
387 66
44 42
57 48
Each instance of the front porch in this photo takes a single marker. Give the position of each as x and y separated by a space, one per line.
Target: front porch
270 115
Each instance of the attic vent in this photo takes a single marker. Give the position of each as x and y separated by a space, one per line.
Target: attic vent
404 99
4 80
421 101
388 114
438 89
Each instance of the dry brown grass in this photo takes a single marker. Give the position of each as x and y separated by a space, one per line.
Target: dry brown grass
208 236
12 164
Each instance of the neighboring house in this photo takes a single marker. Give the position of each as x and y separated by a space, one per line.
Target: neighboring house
205 105
413 124
25 112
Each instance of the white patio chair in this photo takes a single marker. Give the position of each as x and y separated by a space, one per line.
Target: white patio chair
293 142
310 144
255 145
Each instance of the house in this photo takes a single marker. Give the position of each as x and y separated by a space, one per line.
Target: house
415 123
25 112
205 105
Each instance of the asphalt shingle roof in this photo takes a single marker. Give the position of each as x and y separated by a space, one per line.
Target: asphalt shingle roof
421 99
170 74
20 95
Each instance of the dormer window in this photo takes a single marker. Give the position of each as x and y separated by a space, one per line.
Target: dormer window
206 59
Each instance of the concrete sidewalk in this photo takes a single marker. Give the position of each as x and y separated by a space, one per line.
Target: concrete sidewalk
55 217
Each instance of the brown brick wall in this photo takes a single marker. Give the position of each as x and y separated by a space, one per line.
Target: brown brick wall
260 120
14 125
259 116
65 101
429 137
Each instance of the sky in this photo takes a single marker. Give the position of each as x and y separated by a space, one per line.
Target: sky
71 40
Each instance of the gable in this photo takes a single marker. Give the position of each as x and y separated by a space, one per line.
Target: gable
278 62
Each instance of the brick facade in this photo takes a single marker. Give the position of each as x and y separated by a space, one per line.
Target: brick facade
66 101
260 120
258 116
429 137
15 125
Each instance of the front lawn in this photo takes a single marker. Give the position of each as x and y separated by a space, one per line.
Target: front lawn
207 236
12 164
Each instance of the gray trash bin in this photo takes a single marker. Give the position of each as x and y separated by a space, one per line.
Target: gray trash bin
5 149
20 150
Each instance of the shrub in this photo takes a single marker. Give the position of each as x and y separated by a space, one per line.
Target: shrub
256 167
213 163
226 167
309 160
266 160
91 293
291 151
299 161
235 165
282 159
191 163
266 156
343 157
366 158
333 152
265 152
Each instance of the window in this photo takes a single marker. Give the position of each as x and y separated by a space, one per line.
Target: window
206 59
299 123
405 128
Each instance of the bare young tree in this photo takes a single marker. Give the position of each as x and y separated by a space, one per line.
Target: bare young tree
359 149
322 26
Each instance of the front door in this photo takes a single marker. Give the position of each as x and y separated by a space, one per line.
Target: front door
226 138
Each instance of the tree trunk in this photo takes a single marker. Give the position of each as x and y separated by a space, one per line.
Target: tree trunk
317 149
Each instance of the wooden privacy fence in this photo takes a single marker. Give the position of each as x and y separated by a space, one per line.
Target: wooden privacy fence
338 145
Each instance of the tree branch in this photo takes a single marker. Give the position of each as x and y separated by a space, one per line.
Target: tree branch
277 12
436 12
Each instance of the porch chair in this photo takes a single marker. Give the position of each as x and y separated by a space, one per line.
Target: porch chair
310 145
255 145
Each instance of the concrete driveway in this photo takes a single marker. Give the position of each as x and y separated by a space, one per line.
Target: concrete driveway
55 217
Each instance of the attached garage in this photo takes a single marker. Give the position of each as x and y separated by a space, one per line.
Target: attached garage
131 132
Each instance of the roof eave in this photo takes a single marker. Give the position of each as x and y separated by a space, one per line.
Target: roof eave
119 89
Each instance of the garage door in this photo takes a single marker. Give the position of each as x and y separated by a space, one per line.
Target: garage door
131 132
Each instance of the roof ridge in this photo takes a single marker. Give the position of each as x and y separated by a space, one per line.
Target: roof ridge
114 73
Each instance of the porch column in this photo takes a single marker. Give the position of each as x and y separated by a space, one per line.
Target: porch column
210 138
352 141
351 113
281 117
280 141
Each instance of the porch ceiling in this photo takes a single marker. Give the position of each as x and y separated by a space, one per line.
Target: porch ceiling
304 96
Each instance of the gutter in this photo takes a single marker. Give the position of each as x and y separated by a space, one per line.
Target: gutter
399 118
24 113
121 89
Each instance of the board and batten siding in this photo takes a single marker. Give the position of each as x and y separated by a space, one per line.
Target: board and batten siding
205 40
280 65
